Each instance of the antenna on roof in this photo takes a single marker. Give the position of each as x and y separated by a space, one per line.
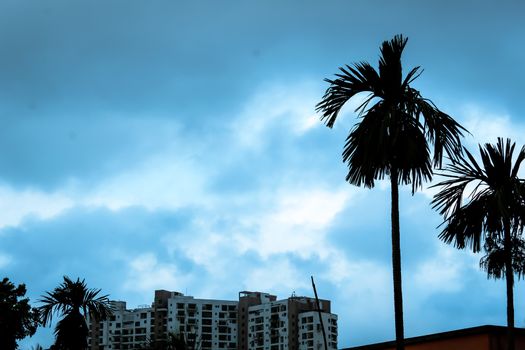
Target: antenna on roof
319 313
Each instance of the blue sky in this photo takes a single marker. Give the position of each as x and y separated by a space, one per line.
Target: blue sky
174 145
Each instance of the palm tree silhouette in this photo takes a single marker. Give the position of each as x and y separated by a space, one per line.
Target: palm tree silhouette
392 139
74 301
494 260
494 211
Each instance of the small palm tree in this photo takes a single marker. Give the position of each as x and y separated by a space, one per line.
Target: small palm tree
74 301
494 211
393 139
494 260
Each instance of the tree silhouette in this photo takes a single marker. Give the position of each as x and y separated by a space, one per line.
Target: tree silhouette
174 341
494 211
74 301
494 260
393 137
17 318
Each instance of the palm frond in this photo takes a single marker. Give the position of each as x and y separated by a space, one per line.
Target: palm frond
74 301
390 68
494 260
465 228
441 130
497 198
350 82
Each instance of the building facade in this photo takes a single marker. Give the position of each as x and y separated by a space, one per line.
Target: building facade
257 321
291 324
126 329
210 323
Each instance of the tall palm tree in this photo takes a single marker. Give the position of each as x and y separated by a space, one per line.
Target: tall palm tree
74 301
486 203
393 138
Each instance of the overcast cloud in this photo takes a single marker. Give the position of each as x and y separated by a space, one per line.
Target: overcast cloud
175 145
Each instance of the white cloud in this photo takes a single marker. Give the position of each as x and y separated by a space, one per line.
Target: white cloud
292 223
314 208
363 288
278 276
162 182
296 222
486 126
289 106
147 274
17 205
177 174
443 272
167 181
204 247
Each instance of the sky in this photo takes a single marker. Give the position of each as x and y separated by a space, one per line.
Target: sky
175 145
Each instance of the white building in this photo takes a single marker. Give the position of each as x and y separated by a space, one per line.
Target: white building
311 333
208 322
291 324
257 321
126 329
268 326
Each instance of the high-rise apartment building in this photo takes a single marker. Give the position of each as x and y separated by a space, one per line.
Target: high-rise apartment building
124 330
291 324
210 323
247 300
257 321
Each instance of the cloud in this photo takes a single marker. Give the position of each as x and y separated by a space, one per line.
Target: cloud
487 125
295 222
53 152
443 272
147 274
168 180
277 275
284 106
165 146
17 205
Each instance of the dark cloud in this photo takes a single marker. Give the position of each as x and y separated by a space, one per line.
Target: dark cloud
91 89
68 67
57 151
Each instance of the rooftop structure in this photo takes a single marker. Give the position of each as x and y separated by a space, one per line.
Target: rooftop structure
475 338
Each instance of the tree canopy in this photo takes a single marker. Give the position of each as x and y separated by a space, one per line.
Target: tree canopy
17 318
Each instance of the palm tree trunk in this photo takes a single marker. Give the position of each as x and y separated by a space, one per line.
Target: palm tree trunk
509 277
396 261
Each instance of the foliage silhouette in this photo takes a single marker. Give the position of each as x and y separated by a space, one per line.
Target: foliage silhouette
494 260
393 137
173 342
74 301
17 318
494 211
